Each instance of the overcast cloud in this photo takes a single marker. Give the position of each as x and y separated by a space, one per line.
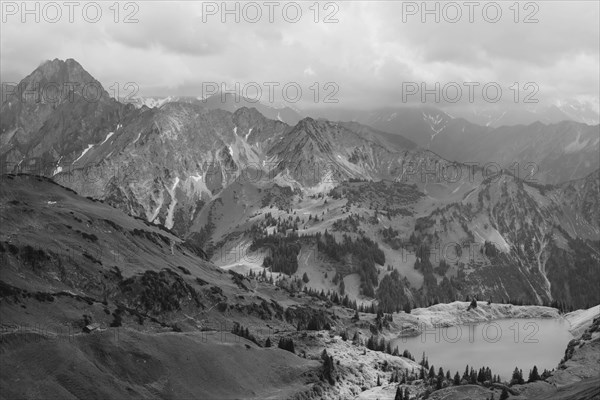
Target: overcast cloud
369 53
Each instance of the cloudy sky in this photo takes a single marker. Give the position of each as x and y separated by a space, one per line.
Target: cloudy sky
373 52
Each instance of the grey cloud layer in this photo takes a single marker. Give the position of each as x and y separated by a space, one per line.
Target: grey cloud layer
369 53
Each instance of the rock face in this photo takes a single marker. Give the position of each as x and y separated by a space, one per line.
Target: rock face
164 163
582 358
52 115
552 151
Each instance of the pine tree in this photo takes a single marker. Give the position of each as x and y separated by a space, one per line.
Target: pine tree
378 381
355 339
398 395
431 372
504 394
268 342
456 379
331 369
473 303
517 377
521 380
438 384
534 375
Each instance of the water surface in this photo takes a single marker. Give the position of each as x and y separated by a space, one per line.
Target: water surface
501 345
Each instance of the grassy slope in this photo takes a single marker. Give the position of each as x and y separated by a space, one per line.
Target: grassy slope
45 355
140 365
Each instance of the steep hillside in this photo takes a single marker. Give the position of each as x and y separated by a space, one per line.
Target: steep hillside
142 286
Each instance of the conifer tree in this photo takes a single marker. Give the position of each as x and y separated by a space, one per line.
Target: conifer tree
456 379
431 372
398 395
534 375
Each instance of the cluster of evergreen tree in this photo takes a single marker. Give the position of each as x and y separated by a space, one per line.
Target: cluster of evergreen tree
282 225
348 224
470 376
287 344
365 251
390 293
562 306
402 394
316 322
380 344
261 276
436 381
577 289
534 375
239 330
334 297
284 253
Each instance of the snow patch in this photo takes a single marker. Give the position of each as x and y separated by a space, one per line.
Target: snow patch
138 137
58 168
83 153
171 209
108 137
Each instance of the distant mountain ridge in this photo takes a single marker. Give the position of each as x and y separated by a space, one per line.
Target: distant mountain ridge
223 101
550 153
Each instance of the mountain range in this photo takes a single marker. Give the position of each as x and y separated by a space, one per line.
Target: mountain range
211 173
187 233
